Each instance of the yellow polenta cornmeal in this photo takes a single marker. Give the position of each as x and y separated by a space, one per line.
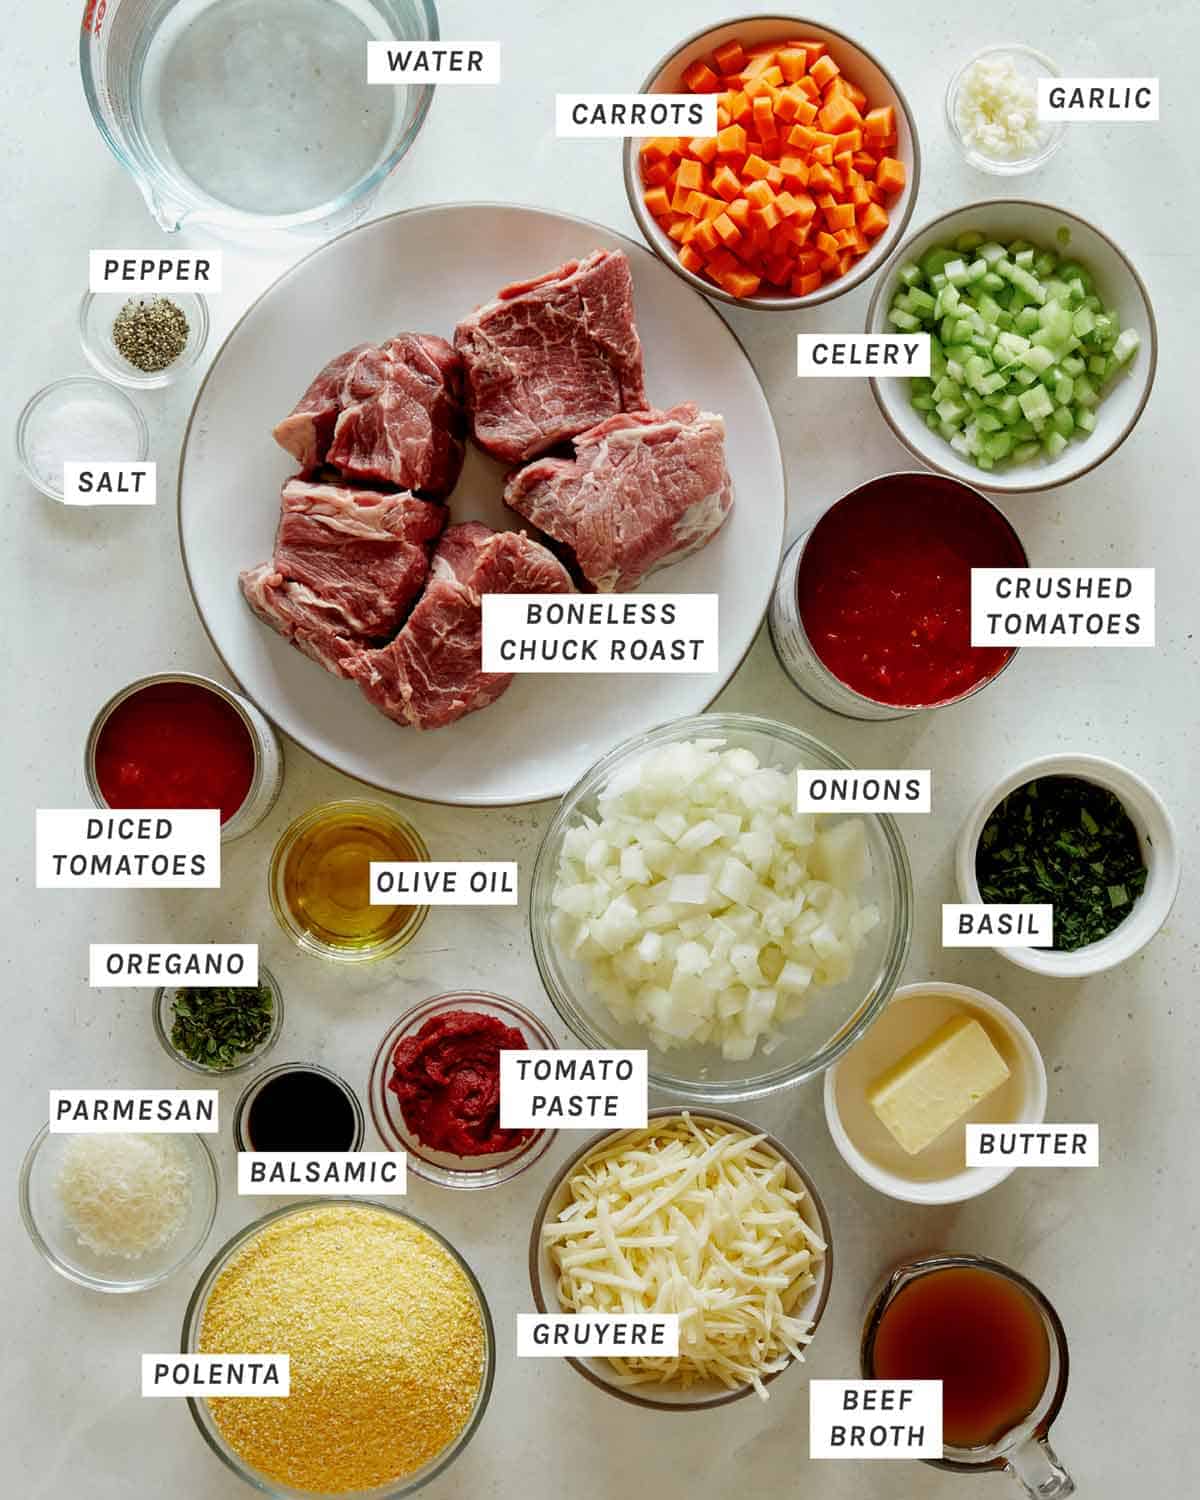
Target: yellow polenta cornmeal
386 1342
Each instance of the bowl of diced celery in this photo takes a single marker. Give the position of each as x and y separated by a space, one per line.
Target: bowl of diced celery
1043 345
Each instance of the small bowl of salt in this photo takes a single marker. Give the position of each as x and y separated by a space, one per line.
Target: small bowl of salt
78 420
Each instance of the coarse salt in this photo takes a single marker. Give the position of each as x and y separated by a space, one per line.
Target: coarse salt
81 429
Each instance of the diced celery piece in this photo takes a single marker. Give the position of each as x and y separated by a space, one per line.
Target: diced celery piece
1028 284
1009 409
991 252
943 388
920 302
1105 326
991 282
903 320
1036 403
948 300
1085 392
1022 431
989 308
923 403
988 421
1026 321
1073 365
962 331
1025 376
1053 444
1062 421
1045 262
1037 359
970 239
909 273
956 271
1128 343
1012 343
932 421
934 260
959 444
1083 322
951 411
955 370
1056 291
1024 258
1075 288
937 281
1023 452
1098 365
999 445
948 431
973 399
984 460
1063 388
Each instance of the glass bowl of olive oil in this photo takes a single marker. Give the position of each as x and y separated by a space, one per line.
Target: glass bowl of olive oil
320 881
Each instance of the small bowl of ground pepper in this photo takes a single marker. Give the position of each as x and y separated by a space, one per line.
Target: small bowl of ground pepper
1089 838
221 1029
434 1089
145 342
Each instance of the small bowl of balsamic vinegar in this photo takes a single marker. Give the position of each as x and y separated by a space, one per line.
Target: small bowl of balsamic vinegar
320 881
298 1107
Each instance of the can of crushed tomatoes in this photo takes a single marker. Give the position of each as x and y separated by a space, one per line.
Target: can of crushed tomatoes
871 613
180 740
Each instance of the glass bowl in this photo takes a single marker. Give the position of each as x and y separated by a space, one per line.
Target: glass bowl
543 1278
241 1135
836 1017
440 1166
161 1014
309 941
42 411
97 313
1030 63
51 1231
194 1318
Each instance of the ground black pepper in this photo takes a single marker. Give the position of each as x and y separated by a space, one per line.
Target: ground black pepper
150 334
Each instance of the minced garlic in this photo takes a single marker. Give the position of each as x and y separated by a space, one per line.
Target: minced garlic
386 1340
996 110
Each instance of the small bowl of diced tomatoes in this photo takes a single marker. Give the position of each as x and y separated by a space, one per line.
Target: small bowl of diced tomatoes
809 182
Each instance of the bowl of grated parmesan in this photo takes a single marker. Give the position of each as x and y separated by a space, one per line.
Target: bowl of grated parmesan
118 1212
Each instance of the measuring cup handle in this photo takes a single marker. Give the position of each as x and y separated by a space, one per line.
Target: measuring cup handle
1036 1468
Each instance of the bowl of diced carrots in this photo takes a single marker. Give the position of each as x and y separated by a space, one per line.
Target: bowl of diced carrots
809 182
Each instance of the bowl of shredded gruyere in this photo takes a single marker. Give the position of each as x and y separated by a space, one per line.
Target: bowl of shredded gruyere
699 1216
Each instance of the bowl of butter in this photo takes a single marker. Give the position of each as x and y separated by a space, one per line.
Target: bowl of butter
940 1057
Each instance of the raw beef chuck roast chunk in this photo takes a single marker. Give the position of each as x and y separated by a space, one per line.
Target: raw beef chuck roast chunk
392 413
431 673
551 357
348 564
643 490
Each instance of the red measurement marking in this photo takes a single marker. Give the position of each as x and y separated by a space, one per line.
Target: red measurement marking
93 15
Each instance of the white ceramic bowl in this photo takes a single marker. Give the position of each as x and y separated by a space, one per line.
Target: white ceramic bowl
1024 1059
1117 284
862 68
1160 850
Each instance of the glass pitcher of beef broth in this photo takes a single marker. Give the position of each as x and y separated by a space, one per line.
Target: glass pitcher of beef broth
251 115
1000 1351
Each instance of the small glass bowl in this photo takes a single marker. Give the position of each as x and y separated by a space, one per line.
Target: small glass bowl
440 1166
42 410
1031 64
309 941
543 1277
161 1013
52 1233
836 1017
193 1322
241 1134
97 313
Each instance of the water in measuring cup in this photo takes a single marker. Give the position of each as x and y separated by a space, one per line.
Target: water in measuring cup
264 104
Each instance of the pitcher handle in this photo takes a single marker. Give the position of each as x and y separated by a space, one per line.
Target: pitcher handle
1036 1468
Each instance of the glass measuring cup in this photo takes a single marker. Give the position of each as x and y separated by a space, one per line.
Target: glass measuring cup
1024 1451
249 115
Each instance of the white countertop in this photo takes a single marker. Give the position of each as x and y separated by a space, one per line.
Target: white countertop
96 598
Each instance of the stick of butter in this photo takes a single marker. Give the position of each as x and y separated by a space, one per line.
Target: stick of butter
937 1083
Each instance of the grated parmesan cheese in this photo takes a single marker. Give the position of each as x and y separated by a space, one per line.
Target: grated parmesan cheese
694 1218
124 1195
996 110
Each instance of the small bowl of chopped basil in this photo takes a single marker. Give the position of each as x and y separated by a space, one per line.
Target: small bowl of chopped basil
1081 834
220 1028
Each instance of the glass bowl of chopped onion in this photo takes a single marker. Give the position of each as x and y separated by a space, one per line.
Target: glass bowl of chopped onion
991 109
204 1029
631 1216
679 904
118 1212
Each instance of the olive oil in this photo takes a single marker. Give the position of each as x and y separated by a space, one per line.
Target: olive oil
326 874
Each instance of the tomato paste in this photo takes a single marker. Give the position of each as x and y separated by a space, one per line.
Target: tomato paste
447 1079
175 744
884 588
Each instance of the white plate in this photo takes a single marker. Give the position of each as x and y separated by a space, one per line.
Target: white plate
422 271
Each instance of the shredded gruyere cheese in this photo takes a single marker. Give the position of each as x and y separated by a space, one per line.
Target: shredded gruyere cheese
124 1195
696 1218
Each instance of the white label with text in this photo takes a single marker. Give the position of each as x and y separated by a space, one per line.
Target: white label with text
1033 1145
571 633
592 1335
581 115
154 271
216 1375
864 791
266 1173
458 882
143 1111
849 354
109 483
1098 101
1062 606
875 1419
573 1090
181 965
982 925
433 62
128 851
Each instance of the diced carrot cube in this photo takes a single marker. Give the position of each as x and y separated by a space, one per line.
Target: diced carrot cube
838 114
656 173
731 141
819 177
812 49
726 183
691 175
822 72
810 86
801 136
880 121
756 88
847 238
741 283
890 175
726 230
723 117
794 169
706 236
659 148
721 262
760 193
778 269
823 155
792 62
873 220
858 98
766 217
700 78
679 199
787 106
806 112
703 148
691 259
657 201
739 212
826 243
840 216
758 60
804 284
729 56
786 204
755 166
764 119
739 108
806 209
861 193
695 204
849 140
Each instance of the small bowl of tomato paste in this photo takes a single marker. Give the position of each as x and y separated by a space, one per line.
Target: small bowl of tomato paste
179 740
871 615
434 1089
